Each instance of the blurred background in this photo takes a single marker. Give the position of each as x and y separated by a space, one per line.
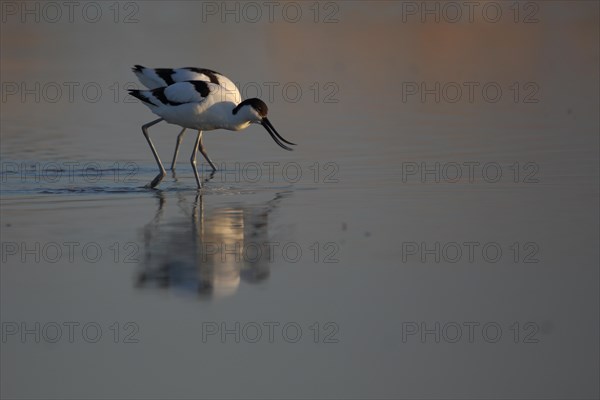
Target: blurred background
433 235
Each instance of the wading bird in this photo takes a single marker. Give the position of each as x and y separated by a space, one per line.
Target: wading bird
154 78
198 104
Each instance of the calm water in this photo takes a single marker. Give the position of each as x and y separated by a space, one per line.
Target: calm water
434 235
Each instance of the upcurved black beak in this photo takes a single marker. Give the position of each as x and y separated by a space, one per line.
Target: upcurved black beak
276 136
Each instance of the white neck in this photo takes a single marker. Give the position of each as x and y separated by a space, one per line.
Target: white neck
240 120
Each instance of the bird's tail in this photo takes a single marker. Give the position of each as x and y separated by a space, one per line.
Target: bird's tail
141 95
138 68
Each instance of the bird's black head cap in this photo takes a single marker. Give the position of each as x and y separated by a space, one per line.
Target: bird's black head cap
255 103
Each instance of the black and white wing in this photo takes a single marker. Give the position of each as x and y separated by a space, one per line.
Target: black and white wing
154 78
176 94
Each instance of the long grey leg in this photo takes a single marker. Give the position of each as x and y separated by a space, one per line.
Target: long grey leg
193 158
162 172
205 154
179 137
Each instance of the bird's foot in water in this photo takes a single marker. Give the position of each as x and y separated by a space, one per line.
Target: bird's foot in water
156 180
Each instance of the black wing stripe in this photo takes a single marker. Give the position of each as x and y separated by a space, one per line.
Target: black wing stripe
159 93
166 74
201 87
212 75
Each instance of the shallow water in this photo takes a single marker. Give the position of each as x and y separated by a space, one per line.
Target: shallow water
440 246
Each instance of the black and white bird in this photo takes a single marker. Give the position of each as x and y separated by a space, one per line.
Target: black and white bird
154 78
199 99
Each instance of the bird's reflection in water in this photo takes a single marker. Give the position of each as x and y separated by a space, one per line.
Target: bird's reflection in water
207 251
